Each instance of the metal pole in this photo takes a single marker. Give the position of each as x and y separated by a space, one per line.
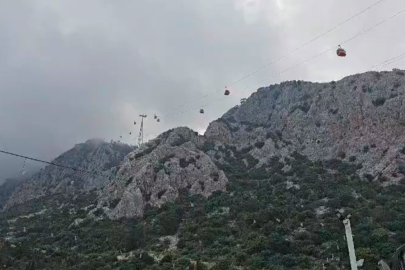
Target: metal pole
350 244
140 137
142 131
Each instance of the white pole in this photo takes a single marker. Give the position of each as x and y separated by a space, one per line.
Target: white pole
350 245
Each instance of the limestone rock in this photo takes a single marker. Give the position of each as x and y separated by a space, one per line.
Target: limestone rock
155 174
360 117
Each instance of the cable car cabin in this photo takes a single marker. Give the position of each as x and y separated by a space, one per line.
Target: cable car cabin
134 123
201 111
227 92
158 120
340 52
155 117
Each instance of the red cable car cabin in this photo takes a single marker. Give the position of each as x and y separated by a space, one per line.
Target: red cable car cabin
227 92
340 52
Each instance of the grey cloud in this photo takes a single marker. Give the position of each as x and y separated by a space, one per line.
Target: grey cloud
74 70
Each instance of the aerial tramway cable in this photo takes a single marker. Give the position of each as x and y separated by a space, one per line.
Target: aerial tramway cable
283 56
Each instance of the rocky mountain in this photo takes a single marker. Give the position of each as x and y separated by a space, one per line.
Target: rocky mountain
8 187
359 118
256 191
156 172
94 156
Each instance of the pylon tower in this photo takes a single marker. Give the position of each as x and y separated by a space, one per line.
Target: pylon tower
140 137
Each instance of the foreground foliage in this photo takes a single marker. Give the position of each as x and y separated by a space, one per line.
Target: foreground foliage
270 218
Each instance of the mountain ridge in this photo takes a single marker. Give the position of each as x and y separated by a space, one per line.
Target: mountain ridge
326 120
257 190
360 118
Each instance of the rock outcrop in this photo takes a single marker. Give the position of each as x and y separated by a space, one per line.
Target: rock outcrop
360 118
156 172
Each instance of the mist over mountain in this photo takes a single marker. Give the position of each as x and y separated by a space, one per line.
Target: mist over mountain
257 191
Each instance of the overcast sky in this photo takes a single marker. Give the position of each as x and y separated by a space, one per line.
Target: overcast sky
72 70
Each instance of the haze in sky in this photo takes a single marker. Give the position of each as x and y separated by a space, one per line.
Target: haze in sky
73 70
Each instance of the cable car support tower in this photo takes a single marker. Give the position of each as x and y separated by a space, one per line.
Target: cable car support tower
140 137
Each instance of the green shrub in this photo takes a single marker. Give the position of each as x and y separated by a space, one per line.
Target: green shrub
259 145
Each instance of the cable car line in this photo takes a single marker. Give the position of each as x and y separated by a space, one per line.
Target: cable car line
386 62
397 58
333 48
50 163
203 106
340 52
285 55
313 57
312 40
390 61
378 24
104 175
191 110
403 57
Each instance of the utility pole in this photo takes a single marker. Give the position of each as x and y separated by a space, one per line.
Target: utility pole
350 244
140 137
349 239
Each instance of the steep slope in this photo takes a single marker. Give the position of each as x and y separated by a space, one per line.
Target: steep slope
125 180
257 191
155 173
284 220
8 187
361 117
94 156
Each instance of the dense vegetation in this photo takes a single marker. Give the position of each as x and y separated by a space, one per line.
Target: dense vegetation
270 218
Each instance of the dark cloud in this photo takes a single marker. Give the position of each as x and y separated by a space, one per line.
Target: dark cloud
74 70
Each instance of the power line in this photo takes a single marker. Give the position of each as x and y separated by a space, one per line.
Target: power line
285 55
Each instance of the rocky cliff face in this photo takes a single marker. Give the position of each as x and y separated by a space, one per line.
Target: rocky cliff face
155 173
360 118
127 179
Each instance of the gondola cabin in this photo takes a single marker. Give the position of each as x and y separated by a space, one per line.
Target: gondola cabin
340 52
